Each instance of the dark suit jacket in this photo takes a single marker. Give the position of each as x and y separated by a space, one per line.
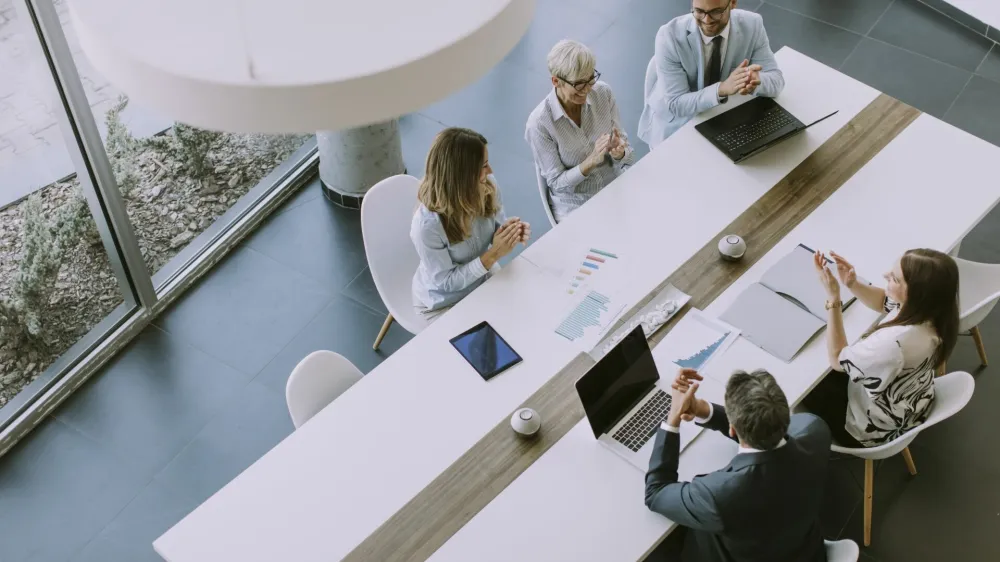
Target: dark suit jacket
763 507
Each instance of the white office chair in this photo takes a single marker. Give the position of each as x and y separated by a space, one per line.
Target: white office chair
952 392
844 550
978 293
386 214
315 382
543 190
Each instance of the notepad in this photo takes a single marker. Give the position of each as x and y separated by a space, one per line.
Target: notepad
786 308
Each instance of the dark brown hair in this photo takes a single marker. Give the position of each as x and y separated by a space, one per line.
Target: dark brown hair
757 408
451 186
931 279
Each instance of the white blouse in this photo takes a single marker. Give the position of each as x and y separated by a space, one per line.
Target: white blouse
891 386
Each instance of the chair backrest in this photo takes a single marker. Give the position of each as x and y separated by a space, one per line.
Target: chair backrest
386 214
543 190
978 291
316 381
844 550
951 393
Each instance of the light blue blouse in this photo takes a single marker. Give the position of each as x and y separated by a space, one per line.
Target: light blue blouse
447 272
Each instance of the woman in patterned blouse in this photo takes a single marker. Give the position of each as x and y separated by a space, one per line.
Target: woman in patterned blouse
883 385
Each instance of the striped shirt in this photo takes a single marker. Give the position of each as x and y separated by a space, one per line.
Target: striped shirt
559 146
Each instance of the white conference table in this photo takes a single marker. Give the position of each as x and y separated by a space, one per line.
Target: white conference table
320 492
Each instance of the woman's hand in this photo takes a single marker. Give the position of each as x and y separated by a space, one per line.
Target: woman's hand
596 158
617 146
525 232
845 270
830 283
506 237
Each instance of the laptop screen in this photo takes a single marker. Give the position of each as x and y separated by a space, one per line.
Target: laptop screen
617 382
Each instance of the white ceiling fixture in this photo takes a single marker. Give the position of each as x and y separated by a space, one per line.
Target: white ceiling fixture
281 66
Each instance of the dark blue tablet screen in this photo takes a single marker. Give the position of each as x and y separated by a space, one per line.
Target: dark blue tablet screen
485 350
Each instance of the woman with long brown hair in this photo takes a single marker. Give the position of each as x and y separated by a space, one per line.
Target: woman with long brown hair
460 230
883 385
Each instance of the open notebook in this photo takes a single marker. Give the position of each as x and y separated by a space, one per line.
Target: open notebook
786 308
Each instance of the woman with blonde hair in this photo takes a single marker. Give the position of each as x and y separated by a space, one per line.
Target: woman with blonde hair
460 230
575 133
883 385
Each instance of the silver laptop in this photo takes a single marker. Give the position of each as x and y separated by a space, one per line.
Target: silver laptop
626 401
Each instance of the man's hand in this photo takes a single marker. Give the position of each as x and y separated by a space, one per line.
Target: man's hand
752 84
684 404
740 79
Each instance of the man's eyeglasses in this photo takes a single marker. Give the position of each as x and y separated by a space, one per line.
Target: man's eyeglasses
580 85
712 15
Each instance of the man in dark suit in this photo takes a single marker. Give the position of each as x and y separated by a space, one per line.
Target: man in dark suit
765 505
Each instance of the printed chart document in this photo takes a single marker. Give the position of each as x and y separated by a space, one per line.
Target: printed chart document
697 339
592 307
786 308
581 269
590 318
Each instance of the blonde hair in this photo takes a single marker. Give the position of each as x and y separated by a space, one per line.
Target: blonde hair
451 186
571 60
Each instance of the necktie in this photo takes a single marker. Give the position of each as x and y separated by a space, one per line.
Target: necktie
714 71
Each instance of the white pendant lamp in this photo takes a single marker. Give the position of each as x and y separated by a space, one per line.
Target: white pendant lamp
283 66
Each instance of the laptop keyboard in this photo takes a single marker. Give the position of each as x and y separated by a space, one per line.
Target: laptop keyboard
773 121
638 430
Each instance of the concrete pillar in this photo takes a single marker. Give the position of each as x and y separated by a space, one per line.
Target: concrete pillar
353 160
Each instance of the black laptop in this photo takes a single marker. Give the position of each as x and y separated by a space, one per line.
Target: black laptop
752 127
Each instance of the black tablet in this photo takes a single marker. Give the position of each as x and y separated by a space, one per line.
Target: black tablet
485 350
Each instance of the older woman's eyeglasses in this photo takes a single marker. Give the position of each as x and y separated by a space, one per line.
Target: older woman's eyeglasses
580 85
712 15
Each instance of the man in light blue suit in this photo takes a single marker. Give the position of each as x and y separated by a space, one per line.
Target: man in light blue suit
700 60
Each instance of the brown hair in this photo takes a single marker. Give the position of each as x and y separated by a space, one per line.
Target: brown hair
451 186
931 296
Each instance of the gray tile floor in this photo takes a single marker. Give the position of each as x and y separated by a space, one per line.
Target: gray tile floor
199 396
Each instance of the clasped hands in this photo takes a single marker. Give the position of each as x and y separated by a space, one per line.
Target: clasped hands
509 234
684 404
512 232
743 80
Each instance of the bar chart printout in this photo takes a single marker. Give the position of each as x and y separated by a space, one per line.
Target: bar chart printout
582 276
697 338
590 318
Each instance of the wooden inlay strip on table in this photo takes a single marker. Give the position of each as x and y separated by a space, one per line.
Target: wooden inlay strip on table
478 476
438 511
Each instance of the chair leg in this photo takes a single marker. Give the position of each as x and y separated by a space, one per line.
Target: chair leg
909 461
869 485
976 337
383 331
